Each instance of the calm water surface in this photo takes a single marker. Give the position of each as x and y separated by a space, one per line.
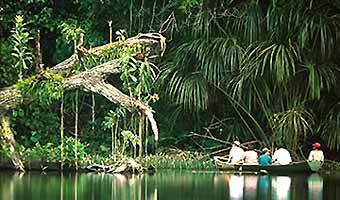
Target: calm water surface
165 185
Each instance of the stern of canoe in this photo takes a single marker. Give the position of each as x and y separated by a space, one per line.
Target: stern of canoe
315 165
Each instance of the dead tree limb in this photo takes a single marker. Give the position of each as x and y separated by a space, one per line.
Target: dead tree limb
93 80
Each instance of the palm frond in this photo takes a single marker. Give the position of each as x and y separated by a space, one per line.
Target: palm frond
331 127
283 20
292 124
218 57
189 91
215 58
320 77
250 24
202 27
275 61
265 66
319 34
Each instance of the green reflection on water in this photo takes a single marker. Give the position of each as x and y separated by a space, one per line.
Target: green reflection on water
165 185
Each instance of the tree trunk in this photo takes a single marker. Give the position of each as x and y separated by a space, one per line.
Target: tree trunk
38 57
93 112
146 137
76 127
140 131
62 132
7 136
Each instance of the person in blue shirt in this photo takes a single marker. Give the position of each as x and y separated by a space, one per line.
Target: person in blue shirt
265 158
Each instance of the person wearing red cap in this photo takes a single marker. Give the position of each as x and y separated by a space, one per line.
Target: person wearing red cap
316 153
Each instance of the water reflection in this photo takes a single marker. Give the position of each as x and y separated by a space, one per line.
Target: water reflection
264 187
236 184
281 187
315 187
250 186
256 187
164 185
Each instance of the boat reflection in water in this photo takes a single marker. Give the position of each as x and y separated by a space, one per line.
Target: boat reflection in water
250 187
315 187
281 187
236 185
258 187
264 187
167 185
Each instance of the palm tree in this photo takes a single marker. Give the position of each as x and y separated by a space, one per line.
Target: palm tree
271 61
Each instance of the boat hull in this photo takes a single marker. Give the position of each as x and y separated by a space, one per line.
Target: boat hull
294 167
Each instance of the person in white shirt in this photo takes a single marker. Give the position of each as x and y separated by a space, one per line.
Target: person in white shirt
236 154
250 156
316 153
282 156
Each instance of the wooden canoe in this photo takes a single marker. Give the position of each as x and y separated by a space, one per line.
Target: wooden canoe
294 167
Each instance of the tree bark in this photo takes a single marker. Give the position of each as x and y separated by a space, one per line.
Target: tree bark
7 137
38 58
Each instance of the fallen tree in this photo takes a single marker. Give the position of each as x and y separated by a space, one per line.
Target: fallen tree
91 79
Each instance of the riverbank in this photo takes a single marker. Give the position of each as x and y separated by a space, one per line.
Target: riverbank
121 164
171 159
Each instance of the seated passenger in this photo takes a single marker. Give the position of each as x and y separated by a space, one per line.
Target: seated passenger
265 158
282 156
316 153
236 154
250 156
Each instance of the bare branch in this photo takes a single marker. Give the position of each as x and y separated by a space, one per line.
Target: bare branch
94 79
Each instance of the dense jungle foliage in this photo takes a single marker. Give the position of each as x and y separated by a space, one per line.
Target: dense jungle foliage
265 71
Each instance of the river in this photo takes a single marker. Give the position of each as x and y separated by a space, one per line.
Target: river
166 185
